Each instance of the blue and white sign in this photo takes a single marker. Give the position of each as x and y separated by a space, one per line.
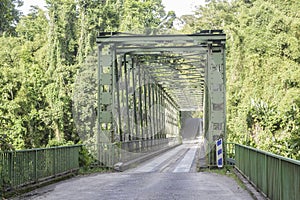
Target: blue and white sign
219 151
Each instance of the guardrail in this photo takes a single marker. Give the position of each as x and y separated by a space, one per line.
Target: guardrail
24 167
276 176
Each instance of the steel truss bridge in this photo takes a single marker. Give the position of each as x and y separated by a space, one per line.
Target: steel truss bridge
145 82
145 85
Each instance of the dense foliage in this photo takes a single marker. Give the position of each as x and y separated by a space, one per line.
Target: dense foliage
9 15
263 70
41 54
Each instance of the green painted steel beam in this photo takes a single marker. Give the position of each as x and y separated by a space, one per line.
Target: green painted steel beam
179 39
143 50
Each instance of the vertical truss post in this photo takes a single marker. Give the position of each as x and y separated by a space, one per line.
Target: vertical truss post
141 103
153 117
164 114
157 112
130 96
150 102
105 92
122 98
126 73
167 127
118 88
163 120
106 81
145 115
136 135
216 96
144 106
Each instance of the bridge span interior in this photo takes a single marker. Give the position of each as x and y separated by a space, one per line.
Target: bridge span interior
146 82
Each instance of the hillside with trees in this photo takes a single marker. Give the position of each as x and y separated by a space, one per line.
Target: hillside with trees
263 70
42 53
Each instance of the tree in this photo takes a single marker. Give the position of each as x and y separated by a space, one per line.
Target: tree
23 68
95 17
9 15
61 61
142 16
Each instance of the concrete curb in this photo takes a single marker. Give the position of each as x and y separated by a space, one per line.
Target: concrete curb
133 163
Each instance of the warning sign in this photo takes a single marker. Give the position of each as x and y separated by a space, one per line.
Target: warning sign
219 151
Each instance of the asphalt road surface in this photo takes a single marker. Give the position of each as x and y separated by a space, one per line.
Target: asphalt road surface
170 176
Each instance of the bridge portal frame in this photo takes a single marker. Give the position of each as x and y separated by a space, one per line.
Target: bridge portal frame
118 55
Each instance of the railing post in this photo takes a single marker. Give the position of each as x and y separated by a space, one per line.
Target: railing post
297 180
248 165
1 173
266 173
54 161
280 180
12 174
256 168
35 166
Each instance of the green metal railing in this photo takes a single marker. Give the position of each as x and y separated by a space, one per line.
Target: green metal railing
23 167
276 176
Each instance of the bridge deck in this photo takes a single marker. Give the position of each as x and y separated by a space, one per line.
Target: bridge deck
171 175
